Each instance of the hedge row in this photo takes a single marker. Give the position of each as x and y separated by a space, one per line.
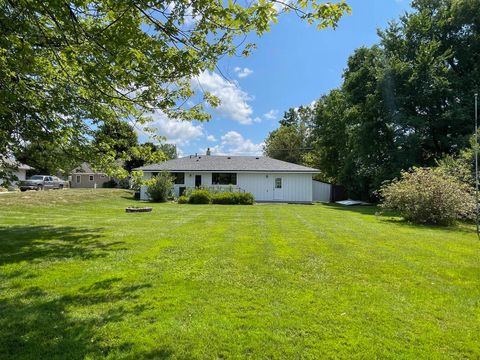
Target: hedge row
233 198
202 196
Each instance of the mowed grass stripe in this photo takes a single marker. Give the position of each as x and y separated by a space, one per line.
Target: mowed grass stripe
80 278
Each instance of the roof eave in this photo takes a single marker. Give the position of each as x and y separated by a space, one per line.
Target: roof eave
313 171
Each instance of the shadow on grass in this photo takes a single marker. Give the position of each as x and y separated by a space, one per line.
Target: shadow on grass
29 243
392 218
459 227
37 325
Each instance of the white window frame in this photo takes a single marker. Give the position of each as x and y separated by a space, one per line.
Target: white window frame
90 177
278 181
78 179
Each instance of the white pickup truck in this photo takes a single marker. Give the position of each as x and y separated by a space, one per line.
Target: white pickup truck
42 182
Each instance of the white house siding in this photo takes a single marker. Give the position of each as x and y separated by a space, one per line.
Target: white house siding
81 180
296 187
321 191
21 174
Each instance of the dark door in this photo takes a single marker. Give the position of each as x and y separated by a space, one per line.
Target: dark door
198 180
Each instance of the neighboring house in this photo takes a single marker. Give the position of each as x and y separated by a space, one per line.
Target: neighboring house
268 179
20 173
85 177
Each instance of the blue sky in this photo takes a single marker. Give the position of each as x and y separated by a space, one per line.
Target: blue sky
294 64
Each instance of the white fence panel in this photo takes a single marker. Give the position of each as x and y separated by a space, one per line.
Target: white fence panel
321 191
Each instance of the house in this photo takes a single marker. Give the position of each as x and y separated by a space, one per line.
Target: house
269 180
20 172
85 177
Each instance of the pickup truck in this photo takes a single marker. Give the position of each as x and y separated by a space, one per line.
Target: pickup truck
42 182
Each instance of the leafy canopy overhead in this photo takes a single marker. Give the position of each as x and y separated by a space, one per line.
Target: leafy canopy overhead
68 67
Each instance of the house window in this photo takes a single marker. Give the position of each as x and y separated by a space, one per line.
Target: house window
278 183
154 174
90 177
179 178
224 179
78 179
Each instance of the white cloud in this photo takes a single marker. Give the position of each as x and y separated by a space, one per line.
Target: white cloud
271 115
279 7
214 150
234 101
211 138
243 72
180 152
236 144
191 18
176 131
233 143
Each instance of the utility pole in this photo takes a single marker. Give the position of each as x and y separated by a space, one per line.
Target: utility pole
476 164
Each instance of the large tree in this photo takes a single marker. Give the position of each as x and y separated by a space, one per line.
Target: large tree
369 132
68 67
433 59
290 142
116 139
329 136
149 153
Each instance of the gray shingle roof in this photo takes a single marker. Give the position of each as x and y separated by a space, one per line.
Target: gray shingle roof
227 163
15 163
84 168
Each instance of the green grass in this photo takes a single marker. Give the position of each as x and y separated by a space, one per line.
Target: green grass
80 278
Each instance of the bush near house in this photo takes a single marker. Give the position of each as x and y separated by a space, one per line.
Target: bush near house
183 199
233 198
199 196
429 196
206 196
160 187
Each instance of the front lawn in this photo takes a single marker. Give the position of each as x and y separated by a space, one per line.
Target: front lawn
80 278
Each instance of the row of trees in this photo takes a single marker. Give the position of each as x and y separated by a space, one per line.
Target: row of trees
115 143
407 101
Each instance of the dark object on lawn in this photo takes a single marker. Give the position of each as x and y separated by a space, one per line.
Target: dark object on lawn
132 209
136 195
110 184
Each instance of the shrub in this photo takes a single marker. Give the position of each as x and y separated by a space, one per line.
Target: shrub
183 199
199 196
124 183
233 198
160 187
429 196
136 180
246 198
